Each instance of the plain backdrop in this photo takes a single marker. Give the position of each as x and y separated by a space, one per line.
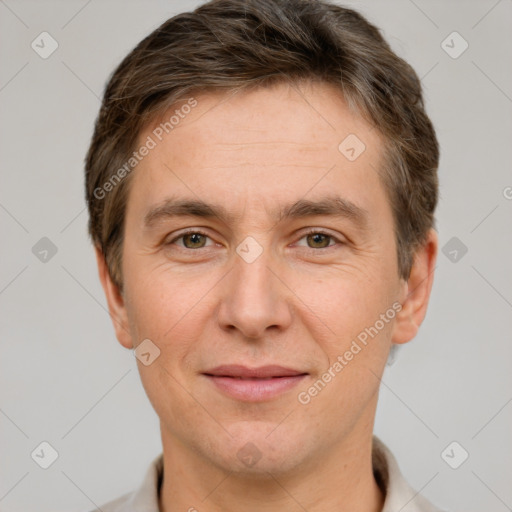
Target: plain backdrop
65 380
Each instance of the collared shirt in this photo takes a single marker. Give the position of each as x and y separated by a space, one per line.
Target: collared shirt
399 496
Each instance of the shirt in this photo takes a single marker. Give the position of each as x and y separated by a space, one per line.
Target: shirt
399 496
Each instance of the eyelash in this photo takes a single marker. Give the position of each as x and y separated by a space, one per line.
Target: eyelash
309 232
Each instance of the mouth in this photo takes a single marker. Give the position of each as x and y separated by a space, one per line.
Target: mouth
254 384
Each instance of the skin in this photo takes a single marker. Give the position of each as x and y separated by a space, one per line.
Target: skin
299 304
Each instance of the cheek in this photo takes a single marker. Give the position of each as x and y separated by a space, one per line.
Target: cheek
343 301
173 308
174 311
354 352
170 311
351 338
161 301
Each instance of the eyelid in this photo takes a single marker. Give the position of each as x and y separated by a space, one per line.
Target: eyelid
308 231
322 231
187 231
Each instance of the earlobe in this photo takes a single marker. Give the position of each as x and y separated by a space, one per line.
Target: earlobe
416 291
115 300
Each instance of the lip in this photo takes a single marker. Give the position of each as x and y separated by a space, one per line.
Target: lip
254 384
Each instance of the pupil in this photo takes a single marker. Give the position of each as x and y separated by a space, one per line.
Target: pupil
318 238
195 238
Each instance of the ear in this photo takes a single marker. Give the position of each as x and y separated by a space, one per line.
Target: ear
416 291
115 300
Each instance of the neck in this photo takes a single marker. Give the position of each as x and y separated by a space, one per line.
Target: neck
340 480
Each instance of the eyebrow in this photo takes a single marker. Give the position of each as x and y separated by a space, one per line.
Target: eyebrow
334 206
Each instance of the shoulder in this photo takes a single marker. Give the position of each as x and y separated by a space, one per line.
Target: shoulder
142 499
399 495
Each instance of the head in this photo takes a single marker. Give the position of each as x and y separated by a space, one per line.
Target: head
261 186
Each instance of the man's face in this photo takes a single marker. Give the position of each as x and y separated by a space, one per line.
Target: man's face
256 289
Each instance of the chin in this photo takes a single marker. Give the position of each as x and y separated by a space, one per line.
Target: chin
259 448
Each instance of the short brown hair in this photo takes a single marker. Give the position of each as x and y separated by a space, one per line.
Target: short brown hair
237 44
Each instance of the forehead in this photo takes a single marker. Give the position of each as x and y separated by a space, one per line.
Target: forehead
261 145
302 119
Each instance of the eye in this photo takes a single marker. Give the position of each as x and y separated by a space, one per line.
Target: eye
317 239
192 239
197 239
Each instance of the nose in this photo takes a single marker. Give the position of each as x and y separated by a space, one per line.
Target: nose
255 299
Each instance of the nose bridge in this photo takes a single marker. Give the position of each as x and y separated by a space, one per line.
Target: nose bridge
254 298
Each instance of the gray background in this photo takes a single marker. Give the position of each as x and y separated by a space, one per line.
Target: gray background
66 380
